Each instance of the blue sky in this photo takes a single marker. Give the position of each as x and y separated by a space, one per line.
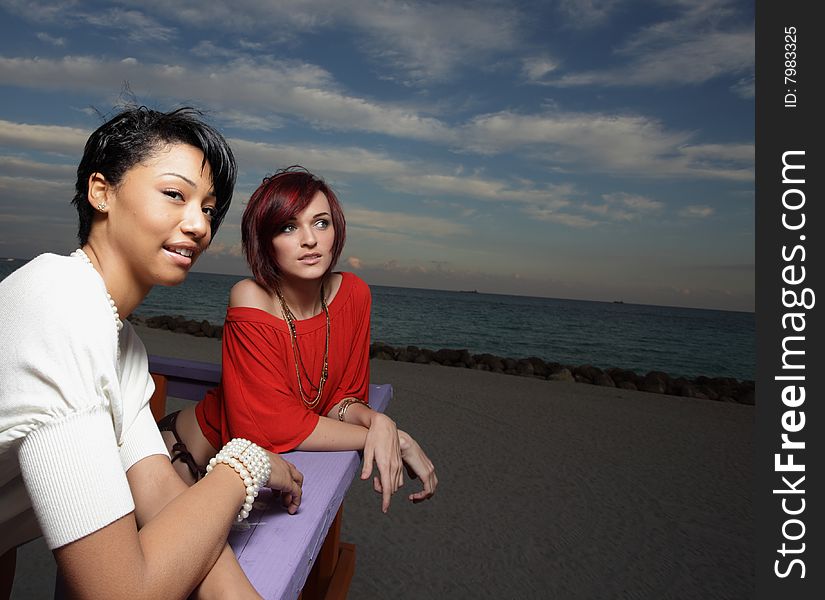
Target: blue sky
575 149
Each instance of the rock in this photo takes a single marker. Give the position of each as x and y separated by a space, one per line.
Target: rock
627 385
588 372
655 382
465 358
539 366
525 368
377 347
381 355
562 374
604 380
749 397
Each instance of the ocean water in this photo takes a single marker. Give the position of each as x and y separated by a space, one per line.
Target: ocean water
679 341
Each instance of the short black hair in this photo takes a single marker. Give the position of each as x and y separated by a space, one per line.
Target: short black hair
131 136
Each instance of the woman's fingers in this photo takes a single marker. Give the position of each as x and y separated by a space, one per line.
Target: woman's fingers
366 469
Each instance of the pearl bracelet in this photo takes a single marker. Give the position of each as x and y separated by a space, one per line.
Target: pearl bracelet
250 462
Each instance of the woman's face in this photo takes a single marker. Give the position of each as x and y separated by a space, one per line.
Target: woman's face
303 247
158 218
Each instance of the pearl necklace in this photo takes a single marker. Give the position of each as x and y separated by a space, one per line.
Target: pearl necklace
82 256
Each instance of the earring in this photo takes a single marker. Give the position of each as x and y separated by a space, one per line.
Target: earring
101 206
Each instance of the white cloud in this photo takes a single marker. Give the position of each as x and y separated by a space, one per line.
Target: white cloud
404 224
581 14
621 206
536 67
134 25
745 88
705 39
282 87
422 41
562 218
45 138
221 249
691 61
354 262
20 167
50 39
697 212
592 142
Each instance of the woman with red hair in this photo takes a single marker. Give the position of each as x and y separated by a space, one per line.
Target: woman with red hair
295 355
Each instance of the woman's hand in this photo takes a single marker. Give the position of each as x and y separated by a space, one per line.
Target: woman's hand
383 447
418 466
286 478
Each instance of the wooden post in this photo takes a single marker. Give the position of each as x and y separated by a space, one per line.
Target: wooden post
158 400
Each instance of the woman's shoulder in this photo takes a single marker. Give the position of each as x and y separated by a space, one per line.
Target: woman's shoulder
353 294
57 288
248 293
352 282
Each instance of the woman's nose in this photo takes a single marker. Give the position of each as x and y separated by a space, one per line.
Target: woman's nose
308 237
195 222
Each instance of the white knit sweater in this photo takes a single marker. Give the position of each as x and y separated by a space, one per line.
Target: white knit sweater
73 417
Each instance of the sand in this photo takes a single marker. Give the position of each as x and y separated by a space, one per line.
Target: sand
547 490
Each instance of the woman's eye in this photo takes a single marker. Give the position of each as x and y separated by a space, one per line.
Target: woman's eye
173 194
210 211
287 228
322 223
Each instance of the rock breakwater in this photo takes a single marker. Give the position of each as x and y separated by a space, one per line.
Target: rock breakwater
723 389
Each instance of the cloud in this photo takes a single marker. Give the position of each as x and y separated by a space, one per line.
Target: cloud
420 41
692 61
562 218
745 88
704 40
592 142
583 14
536 67
291 88
221 249
621 206
19 167
50 39
403 224
353 262
408 177
45 138
134 25
696 212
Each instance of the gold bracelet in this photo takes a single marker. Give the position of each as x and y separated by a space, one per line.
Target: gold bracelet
345 403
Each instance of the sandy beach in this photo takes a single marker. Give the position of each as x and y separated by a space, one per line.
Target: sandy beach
547 490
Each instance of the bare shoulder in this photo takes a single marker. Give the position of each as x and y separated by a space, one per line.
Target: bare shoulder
249 293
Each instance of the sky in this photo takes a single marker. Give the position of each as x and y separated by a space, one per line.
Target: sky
584 149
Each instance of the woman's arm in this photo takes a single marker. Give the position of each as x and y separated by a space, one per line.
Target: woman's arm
154 483
165 553
169 556
367 430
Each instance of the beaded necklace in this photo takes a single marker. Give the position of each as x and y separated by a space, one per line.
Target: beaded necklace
296 351
118 323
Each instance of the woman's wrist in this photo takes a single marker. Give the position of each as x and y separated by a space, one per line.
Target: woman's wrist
250 462
404 441
355 412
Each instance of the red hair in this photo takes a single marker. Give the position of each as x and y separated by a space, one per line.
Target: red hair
278 199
